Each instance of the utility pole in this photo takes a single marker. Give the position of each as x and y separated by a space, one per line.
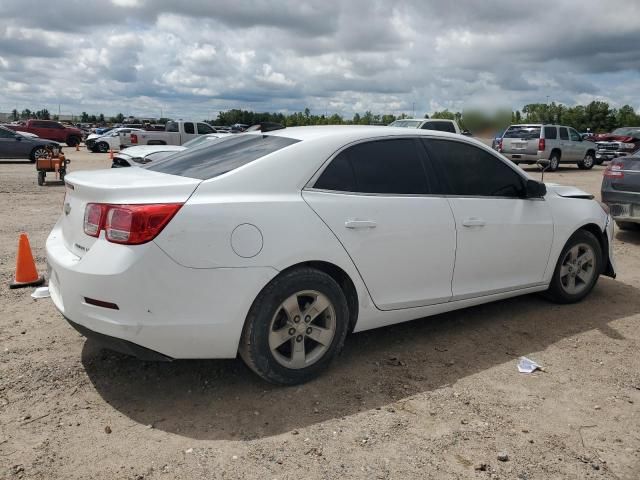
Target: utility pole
414 109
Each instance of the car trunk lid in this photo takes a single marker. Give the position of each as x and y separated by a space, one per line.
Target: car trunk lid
116 186
624 174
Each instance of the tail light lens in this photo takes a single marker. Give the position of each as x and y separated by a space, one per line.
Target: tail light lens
134 138
128 224
541 144
614 170
500 145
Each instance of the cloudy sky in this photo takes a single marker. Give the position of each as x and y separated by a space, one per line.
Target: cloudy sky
196 57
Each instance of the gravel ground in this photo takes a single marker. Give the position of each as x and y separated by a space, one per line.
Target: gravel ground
435 398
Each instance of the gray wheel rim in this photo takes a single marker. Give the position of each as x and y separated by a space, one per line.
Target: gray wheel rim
302 329
577 268
40 153
553 163
588 161
103 147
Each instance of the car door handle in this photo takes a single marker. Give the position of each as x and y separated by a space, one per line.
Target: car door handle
474 222
360 224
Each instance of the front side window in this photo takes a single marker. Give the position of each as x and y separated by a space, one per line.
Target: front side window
220 156
204 129
471 171
385 167
564 135
575 136
188 128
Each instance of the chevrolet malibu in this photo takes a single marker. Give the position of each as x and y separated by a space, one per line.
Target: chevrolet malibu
275 246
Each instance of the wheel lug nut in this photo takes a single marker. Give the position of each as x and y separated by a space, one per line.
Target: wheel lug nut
309 330
296 319
292 331
307 319
299 338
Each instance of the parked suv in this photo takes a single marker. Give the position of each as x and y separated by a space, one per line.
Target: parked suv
556 143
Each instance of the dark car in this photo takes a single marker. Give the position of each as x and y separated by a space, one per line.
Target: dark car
15 145
621 190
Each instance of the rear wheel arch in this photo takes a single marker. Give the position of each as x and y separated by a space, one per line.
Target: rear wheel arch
341 277
556 151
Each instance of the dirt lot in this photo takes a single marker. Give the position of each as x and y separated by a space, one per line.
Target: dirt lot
435 398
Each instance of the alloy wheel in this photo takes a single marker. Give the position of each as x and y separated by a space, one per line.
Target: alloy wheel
302 329
577 268
40 153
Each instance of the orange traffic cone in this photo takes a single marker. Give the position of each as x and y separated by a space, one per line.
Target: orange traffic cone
26 273
111 154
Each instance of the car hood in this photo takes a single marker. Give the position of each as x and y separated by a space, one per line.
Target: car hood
607 137
567 191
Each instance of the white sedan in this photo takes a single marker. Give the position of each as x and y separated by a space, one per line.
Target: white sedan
276 245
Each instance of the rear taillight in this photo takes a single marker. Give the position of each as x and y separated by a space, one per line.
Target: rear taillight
614 170
541 145
134 138
500 145
128 224
93 215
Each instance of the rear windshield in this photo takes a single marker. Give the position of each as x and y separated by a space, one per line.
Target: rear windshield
406 123
220 156
524 132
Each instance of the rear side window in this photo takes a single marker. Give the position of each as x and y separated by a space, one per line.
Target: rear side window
550 133
439 126
383 166
564 135
188 128
524 132
471 171
220 156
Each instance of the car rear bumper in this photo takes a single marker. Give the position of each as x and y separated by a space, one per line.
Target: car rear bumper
160 306
624 206
524 157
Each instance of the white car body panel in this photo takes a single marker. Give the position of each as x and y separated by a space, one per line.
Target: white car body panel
186 294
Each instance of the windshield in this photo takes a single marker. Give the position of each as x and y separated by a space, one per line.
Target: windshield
524 132
220 156
406 123
627 132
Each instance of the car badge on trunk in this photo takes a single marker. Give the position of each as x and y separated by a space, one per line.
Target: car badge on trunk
67 208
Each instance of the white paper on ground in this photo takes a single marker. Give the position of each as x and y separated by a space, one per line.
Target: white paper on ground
41 292
526 365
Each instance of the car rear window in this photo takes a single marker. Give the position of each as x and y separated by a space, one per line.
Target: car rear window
220 156
439 126
524 132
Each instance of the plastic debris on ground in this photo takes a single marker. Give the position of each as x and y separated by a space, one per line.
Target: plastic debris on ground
526 365
41 292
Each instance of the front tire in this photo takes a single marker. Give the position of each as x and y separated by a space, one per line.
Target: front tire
295 327
577 270
588 162
102 147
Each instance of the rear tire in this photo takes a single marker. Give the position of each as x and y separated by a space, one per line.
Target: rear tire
73 141
577 270
554 162
278 339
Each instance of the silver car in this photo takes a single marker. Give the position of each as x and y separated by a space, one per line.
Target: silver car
530 143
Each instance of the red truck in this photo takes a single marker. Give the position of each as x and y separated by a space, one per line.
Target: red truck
50 130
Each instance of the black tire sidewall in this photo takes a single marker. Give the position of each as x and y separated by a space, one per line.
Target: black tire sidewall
556 292
255 349
552 167
593 162
100 150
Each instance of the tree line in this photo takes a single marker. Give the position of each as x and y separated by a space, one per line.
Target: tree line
597 116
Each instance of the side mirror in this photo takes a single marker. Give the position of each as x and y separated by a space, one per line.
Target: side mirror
466 133
535 189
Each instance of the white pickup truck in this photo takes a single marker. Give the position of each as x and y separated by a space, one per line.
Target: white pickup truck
175 133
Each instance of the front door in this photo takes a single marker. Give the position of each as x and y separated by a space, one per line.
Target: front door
503 240
374 196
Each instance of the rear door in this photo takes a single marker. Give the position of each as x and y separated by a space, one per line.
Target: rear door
375 197
503 239
188 132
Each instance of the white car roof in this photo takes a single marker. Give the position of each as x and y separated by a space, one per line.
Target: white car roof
351 132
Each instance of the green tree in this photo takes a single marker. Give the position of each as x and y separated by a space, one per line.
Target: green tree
445 114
